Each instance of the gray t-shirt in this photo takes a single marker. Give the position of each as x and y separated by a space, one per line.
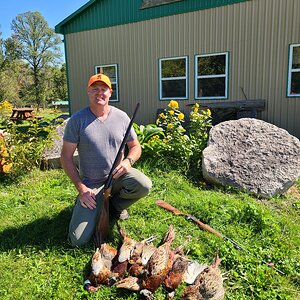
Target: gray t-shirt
98 142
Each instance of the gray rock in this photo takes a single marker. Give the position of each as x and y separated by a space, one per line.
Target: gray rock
252 155
51 155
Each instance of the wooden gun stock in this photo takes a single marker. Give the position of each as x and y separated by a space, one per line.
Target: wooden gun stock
176 211
102 226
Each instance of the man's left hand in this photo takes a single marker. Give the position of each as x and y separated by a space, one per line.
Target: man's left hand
121 169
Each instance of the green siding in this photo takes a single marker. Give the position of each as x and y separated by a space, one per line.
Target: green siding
106 13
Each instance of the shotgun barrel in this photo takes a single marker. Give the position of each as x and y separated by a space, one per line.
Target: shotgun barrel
119 154
102 226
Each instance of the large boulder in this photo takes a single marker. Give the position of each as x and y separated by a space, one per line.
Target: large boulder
252 155
51 155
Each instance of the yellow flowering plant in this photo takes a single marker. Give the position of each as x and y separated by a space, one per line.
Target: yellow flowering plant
6 158
177 149
5 111
200 123
22 149
150 138
173 104
5 107
174 142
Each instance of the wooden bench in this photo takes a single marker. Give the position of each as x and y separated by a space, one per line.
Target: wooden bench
13 118
35 117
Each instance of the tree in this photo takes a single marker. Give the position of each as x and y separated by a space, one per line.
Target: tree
60 90
9 69
39 46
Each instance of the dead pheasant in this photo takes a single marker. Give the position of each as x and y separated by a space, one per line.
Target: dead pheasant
126 247
156 270
193 270
134 284
137 267
131 283
176 274
135 263
120 264
159 264
101 268
208 284
147 252
183 269
129 255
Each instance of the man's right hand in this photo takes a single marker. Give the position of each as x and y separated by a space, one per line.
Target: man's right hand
87 198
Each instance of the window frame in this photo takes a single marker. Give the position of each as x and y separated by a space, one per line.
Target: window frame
116 82
161 98
225 75
291 70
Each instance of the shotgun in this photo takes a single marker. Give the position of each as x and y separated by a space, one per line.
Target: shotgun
206 227
102 226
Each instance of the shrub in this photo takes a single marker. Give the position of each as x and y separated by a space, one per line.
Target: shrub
171 144
178 146
150 138
6 157
5 110
21 150
198 132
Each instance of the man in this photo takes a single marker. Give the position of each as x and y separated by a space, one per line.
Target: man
97 132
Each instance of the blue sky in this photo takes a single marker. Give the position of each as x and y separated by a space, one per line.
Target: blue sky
53 11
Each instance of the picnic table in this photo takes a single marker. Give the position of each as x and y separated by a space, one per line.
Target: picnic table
23 113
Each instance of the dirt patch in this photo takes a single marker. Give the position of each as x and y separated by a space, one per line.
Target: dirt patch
294 192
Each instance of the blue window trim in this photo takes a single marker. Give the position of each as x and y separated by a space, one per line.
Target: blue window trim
173 78
116 82
291 70
226 53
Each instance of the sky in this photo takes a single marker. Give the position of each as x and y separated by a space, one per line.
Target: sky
53 11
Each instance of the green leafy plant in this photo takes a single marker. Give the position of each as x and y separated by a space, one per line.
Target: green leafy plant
178 147
173 145
200 123
149 136
5 109
6 157
22 150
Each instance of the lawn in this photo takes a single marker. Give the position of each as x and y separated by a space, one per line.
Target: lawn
36 261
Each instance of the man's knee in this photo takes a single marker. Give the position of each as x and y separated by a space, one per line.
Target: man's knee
145 187
80 235
77 241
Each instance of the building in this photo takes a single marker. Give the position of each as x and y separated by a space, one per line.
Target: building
205 51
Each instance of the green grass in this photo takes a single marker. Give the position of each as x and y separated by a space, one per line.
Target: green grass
36 261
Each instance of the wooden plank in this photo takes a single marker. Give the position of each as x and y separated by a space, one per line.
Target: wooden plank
258 104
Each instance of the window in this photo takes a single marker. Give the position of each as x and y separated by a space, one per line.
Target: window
211 76
173 78
152 3
112 72
293 89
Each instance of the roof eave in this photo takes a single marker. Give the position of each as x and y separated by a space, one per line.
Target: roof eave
59 26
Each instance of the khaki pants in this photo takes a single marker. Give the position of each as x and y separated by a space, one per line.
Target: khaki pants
126 190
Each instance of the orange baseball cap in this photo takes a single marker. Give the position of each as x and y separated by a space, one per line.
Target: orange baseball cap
99 78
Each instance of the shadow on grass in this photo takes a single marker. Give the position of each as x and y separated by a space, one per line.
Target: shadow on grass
42 233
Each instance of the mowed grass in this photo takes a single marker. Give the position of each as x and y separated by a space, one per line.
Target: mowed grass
36 261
